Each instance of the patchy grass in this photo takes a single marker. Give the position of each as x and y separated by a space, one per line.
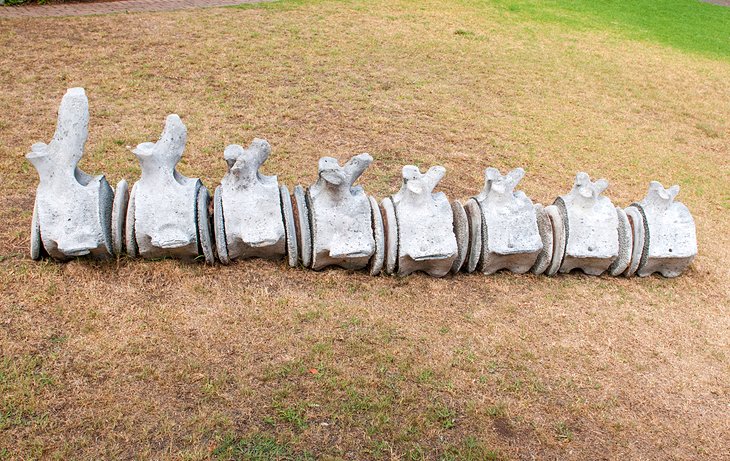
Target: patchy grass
255 448
165 360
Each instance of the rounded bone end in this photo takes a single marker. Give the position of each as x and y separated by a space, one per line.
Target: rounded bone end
639 239
378 260
205 237
461 231
625 244
291 233
304 231
559 239
119 216
129 227
219 227
545 228
391 235
474 216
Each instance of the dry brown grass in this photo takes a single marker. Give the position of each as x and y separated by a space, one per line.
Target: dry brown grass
164 360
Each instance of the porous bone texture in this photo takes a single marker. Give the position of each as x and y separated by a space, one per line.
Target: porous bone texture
341 218
73 208
671 232
426 240
510 233
591 226
165 201
251 202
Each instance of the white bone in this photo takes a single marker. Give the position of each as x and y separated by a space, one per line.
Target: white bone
670 232
390 223
304 229
638 239
557 224
251 205
205 236
164 203
426 240
119 214
378 260
474 214
289 226
591 226
341 218
72 209
625 244
510 236
461 231
544 226
219 227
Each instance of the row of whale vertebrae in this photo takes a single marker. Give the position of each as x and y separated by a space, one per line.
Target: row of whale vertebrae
334 222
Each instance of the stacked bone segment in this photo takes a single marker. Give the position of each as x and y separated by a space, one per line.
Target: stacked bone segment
670 240
163 216
334 222
340 215
591 227
510 238
72 211
424 221
248 206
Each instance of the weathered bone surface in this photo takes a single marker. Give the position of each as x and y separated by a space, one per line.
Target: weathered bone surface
625 243
289 226
164 203
333 223
119 214
250 206
426 240
544 226
474 215
341 218
557 226
72 212
638 237
591 226
461 231
304 229
378 260
670 235
390 224
510 236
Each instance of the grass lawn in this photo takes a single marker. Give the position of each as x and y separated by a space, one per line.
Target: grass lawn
172 361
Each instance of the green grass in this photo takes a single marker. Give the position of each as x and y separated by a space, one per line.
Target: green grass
688 25
258 447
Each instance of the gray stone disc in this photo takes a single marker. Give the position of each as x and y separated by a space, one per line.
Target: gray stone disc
474 215
219 227
106 207
289 226
636 222
119 215
390 224
36 244
546 235
378 259
205 239
305 231
461 231
558 226
625 244
129 229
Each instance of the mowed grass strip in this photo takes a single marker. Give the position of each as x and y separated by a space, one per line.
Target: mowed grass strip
688 25
165 360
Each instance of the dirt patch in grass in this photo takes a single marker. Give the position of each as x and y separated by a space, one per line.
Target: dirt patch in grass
165 360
